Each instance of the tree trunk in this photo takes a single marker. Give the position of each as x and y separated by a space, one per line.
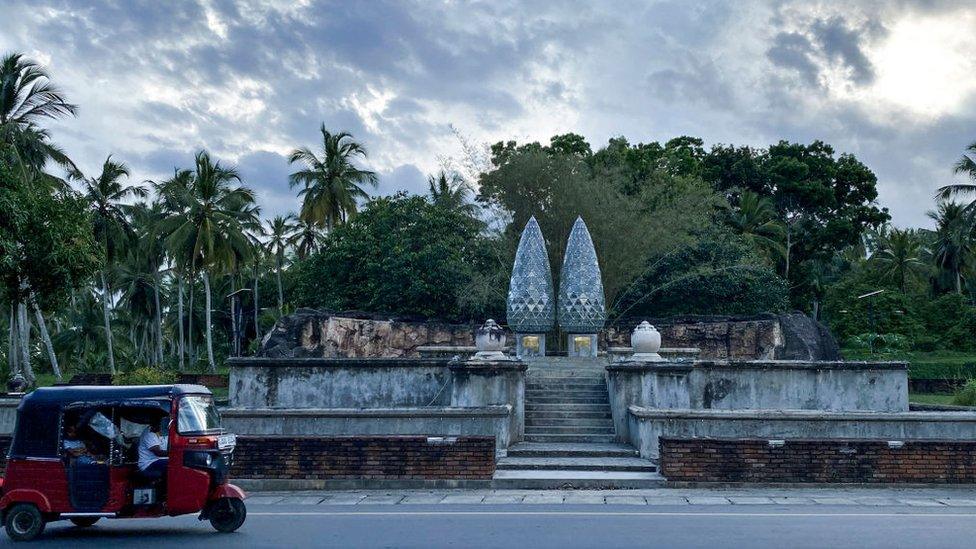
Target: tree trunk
206 316
108 324
24 329
257 308
191 351
12 349
180 315
234 339
47 341
159 319
789 244
281 295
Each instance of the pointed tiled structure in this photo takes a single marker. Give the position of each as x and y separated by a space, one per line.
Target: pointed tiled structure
581 308
531 309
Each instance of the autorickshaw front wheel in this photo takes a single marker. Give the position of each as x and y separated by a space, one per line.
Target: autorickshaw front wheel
23 522
227 514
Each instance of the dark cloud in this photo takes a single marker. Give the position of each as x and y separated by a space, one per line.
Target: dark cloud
795 51
840 42
158 81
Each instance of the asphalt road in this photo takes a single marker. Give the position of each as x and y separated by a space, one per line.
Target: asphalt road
542 526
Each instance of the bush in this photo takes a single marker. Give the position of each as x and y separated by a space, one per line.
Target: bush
966 395
145 375
879 342
400 255
719 274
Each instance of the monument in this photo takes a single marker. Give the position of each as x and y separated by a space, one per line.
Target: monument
581 308
531 308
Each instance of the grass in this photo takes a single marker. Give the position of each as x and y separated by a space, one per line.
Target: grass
925 365
929 398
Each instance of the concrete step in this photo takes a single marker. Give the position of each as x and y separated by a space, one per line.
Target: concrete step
569 429
568 406
604 399
559 414
532 479
576 464
569 384
564 437
532 421
571 449
559 393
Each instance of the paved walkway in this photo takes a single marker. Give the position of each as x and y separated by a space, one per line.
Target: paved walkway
912 497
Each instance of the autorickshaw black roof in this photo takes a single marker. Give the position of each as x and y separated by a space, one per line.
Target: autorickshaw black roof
70 394
38 415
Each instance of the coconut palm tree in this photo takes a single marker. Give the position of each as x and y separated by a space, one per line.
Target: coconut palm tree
755 219
279 230
306 237
952 247
113 231
899 253
207 235
26 92
173 195
965 165
330 183
452 192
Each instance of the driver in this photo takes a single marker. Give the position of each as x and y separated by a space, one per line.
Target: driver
152 452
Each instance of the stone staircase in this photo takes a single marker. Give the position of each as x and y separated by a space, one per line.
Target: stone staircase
569 434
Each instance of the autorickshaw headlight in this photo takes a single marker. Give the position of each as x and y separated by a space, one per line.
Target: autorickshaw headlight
208 460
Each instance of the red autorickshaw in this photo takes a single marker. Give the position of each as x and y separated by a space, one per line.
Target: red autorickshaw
45 482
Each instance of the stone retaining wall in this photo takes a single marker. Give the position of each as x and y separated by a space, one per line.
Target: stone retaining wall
374 457
818 461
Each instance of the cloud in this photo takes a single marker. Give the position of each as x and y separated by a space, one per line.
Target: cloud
253 79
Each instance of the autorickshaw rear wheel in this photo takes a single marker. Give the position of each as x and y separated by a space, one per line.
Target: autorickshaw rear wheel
84 522
24 522
227 514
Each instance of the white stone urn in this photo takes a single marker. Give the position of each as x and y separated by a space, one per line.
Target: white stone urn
646 342
489 339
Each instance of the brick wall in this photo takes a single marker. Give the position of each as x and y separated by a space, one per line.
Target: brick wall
820 461
360 457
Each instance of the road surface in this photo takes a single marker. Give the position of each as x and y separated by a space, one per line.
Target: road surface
561 526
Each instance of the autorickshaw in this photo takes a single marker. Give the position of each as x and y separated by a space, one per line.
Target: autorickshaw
74 456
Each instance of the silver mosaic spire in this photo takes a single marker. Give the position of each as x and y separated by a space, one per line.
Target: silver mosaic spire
531 303
581 307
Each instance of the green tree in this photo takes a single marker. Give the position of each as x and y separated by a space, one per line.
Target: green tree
399 255
718 274
331 183
46 248
106 193
755 219
966 166
278 231
952 248
450 192
207 232
898 255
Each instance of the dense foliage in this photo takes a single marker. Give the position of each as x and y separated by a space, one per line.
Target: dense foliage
399 255
718 274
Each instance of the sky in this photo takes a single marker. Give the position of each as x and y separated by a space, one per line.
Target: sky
422 84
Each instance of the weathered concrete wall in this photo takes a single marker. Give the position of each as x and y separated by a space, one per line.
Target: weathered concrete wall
799 385
756 385
479 384
761 337
8 415
311 333
429 421
647 425
338 383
